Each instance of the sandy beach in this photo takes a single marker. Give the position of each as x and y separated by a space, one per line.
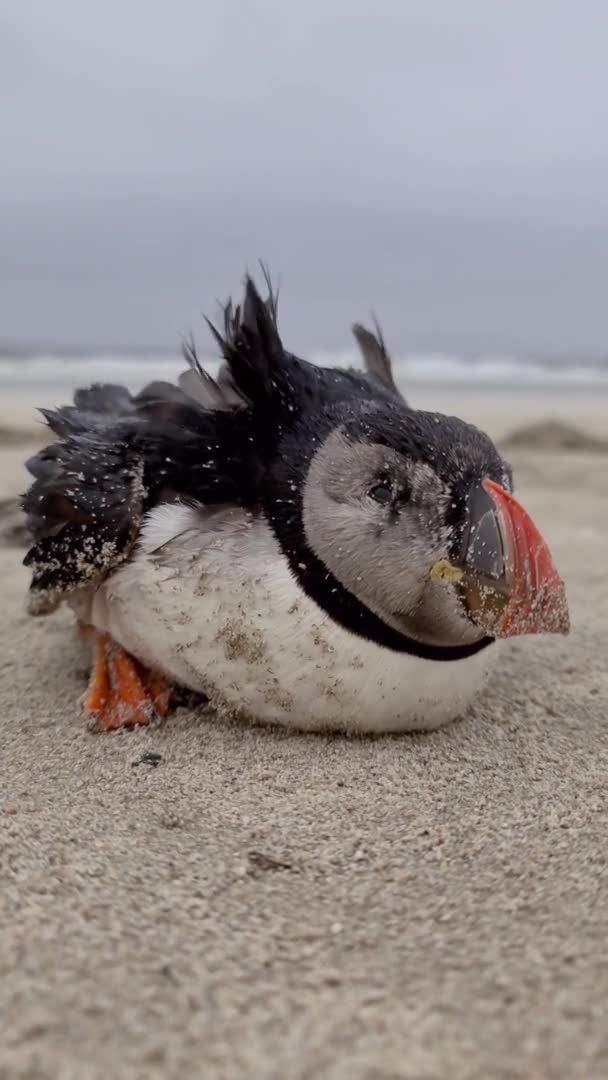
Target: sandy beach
268 905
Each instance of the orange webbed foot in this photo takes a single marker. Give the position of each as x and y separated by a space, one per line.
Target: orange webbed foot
121 692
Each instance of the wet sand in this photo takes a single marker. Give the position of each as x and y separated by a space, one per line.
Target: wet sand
264 904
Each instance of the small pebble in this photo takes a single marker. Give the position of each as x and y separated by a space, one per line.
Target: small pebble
148 757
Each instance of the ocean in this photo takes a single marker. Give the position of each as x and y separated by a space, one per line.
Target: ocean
31 371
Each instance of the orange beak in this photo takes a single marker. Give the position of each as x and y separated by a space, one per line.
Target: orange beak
510 581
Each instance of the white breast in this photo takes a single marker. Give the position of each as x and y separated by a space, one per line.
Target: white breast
209 600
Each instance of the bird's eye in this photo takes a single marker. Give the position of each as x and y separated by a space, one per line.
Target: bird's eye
381 493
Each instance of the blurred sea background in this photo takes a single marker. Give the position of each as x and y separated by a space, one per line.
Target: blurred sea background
56 369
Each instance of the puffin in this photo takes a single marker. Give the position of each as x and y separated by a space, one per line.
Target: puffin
295 543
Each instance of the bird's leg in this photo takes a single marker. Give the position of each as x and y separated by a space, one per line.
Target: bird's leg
121 692
159 693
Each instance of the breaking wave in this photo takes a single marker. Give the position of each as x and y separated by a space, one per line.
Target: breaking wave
68 370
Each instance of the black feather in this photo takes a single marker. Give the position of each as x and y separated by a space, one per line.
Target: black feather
375 355
160 391
198 385
104 398
251 344
83 511
272 300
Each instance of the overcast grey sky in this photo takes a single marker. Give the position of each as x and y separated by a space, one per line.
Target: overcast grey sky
444 162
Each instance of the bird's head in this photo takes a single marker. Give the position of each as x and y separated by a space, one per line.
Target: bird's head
412 513
400 523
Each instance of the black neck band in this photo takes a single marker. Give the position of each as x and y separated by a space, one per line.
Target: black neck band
343 607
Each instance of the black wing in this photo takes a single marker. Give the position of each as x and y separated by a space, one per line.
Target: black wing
83 511
116 456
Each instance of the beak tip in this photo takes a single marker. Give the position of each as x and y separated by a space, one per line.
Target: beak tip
538 602
562 615
549 615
